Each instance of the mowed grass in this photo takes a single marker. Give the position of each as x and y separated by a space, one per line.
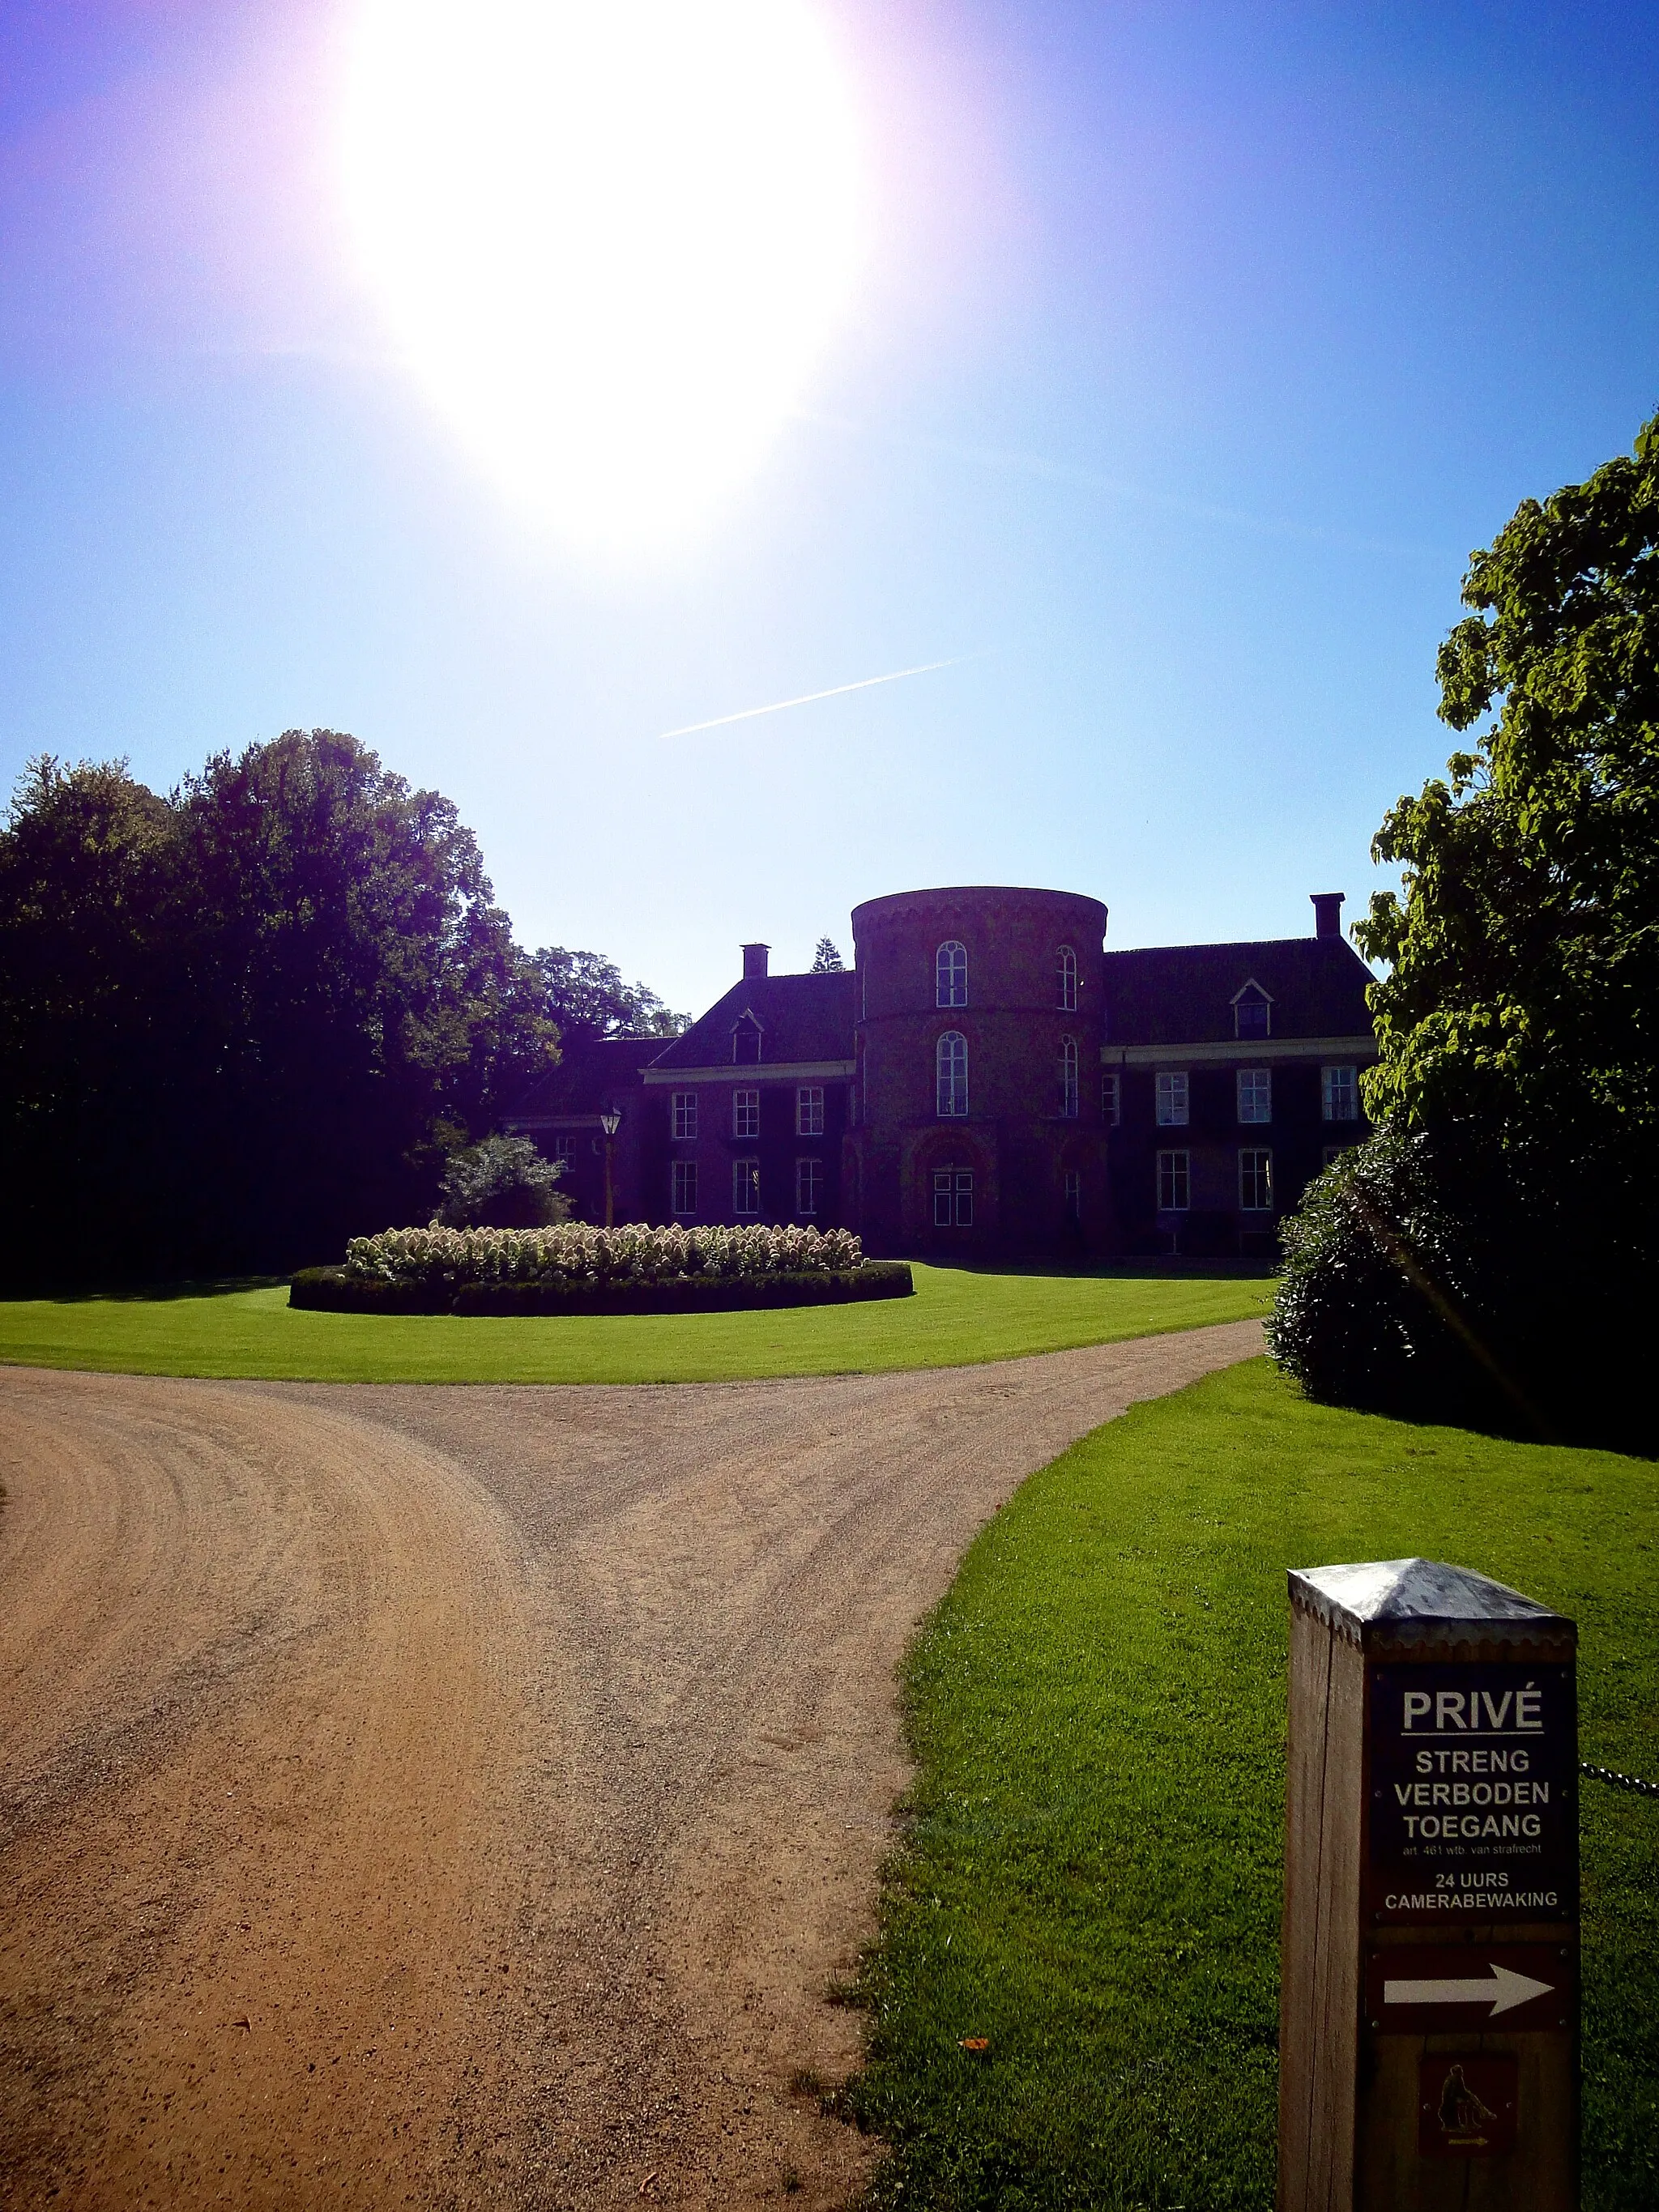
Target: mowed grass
958 1316
1092 1879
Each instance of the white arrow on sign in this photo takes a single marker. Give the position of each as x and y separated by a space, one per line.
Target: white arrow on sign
1503 1992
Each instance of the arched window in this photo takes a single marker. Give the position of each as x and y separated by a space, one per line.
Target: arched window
951 1075
951 972
1068 1078
1065 980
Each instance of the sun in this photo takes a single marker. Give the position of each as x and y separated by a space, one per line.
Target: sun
610 241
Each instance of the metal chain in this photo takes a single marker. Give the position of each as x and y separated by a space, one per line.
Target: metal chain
1619 1781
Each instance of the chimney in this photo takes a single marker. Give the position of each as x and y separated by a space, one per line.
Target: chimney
1328 912
754 960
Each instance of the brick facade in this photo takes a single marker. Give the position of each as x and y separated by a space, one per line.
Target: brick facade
987 1081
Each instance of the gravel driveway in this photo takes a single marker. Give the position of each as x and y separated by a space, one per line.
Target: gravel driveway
435 1797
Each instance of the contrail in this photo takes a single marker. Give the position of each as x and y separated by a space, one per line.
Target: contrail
807 698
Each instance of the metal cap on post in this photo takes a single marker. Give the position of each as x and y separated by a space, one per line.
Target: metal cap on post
1428 2043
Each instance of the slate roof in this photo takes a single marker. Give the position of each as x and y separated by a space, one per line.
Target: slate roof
592 1069
802 1018
1183 994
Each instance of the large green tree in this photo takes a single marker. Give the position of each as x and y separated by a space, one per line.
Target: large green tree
1518 1015
1521 1002
241 1021
585 995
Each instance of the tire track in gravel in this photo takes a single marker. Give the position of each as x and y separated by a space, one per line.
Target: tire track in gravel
515 1763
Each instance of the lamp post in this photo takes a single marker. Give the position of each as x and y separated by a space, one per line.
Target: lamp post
610 1121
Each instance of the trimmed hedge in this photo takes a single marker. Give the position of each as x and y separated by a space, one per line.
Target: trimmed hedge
332 1290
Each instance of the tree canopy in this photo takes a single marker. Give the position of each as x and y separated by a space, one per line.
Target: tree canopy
1518 1018
827 960
585 994
245 1020
1522 1001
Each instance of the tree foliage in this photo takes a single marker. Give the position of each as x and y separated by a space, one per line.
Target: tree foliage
501 1183
1518 1019
239 1023
827 960
585 994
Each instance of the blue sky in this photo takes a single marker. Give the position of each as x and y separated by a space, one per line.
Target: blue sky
1198 347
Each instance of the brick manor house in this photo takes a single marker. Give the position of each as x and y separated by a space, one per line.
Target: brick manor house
987 1080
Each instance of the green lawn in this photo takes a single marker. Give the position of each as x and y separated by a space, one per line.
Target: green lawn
1090 1876
957 1317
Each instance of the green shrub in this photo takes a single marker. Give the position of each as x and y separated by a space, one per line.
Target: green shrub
1428 1287
501 1183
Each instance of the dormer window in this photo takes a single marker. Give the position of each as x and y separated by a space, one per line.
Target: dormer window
951 975
745 1041
1253 1011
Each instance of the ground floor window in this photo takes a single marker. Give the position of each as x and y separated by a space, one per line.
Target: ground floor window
1073 1195
1111 1101
564 1148
683 1192
1333 1153
1175 1182
809 1186
1255 1180
953 1198
745 1187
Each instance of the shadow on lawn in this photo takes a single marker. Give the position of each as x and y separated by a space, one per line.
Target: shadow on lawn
207 1286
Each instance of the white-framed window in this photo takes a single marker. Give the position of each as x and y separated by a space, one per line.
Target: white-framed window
1253 1013
1065 980
1173 1100
1073 1195
1111 1099
809 1110
809 1186
1255 1180
1175 1182
950 1076
1068 1078
1338 1093
745 1041
745 1188
564 1149
1256 1094
684 1107
683 1188
745 1113
953 1198
951 975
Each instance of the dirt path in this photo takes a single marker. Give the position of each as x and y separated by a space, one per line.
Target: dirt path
459 1796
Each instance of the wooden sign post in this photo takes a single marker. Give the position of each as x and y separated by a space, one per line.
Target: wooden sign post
1429 2000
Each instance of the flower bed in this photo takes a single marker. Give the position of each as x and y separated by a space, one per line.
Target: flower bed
572 1268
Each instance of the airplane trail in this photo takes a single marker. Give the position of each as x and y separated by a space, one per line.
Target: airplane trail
808 698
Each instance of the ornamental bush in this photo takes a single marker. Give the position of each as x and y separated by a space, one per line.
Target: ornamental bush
574 1252
502 1184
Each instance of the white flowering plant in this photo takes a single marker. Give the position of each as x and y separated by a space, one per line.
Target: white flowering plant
572 1251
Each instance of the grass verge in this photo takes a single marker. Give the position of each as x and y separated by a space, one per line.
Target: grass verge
958 1316
1090 1877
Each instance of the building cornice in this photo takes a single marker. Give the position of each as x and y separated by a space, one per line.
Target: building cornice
1257 1049
751 1071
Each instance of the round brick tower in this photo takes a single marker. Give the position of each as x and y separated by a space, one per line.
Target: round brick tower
977 1126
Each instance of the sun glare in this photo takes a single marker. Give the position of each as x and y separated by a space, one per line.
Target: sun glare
609 240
